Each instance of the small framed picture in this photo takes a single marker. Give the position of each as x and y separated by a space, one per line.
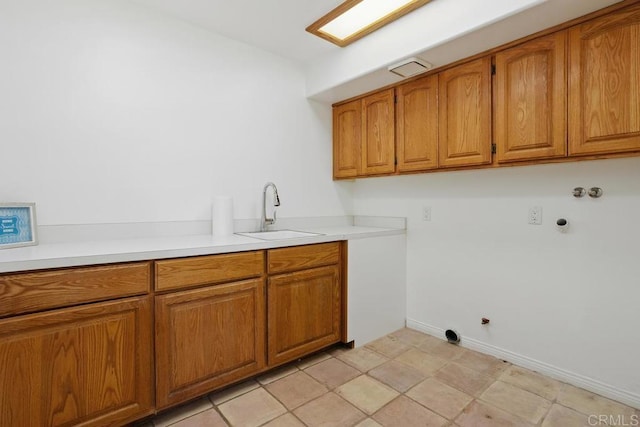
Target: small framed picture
17 225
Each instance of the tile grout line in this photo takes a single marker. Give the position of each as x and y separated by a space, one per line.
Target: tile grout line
472 363
217 409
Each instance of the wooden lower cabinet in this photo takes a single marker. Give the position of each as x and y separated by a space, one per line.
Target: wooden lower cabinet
89 365
94 365
207 338
304 312
22 293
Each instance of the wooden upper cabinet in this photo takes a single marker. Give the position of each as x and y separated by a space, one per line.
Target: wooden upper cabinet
465 114
530 103
604 84
347 139
90 365
417 125
378 133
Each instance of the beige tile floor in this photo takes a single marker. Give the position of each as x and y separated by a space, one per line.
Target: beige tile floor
404 379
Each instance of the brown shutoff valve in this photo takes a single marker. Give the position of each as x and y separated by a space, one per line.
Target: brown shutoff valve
485 320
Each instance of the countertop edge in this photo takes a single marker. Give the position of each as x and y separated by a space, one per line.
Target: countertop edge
30 260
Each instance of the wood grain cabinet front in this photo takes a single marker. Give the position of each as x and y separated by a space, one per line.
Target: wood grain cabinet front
530 102
363 136
417 125
604 84
347 140
42 290
568 93
207 338
88 366
181 273
305 300
296 258
464 116
378 133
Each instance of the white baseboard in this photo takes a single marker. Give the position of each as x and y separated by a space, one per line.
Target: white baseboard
595 386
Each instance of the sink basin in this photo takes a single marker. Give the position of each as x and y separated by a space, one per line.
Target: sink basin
279 234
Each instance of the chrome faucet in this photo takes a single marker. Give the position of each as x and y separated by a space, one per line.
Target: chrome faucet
264 222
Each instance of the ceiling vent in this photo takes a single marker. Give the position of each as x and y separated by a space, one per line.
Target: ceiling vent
410 67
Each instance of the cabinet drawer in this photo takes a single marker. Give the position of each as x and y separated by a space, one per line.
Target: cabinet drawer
29 292
204 270
302 257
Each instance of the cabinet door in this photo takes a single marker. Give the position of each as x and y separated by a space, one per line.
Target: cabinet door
530 99
206 338
304 312
378 133
465 114
417 125
347 139
604 84
78 366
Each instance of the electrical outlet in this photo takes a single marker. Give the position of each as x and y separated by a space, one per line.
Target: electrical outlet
426 213
535 215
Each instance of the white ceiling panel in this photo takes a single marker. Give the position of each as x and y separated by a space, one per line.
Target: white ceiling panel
440 32
277 26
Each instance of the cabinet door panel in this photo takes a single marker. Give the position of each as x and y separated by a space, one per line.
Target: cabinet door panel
347 139
417 125
88 366
530 100
604 84
304 312
465 114
378 133
207 338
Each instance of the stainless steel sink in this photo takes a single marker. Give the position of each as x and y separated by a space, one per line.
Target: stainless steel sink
279 234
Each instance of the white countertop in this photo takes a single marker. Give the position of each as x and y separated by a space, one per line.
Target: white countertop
55 255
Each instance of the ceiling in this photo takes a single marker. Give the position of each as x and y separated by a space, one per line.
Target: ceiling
441 32
273 25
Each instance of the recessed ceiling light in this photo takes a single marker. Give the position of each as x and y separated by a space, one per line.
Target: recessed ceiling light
354 19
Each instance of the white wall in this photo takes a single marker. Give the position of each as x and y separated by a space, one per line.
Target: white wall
111 113
566 303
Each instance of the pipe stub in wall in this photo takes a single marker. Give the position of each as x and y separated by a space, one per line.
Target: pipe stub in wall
452 336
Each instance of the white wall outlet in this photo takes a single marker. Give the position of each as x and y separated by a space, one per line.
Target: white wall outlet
535 215
426 213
